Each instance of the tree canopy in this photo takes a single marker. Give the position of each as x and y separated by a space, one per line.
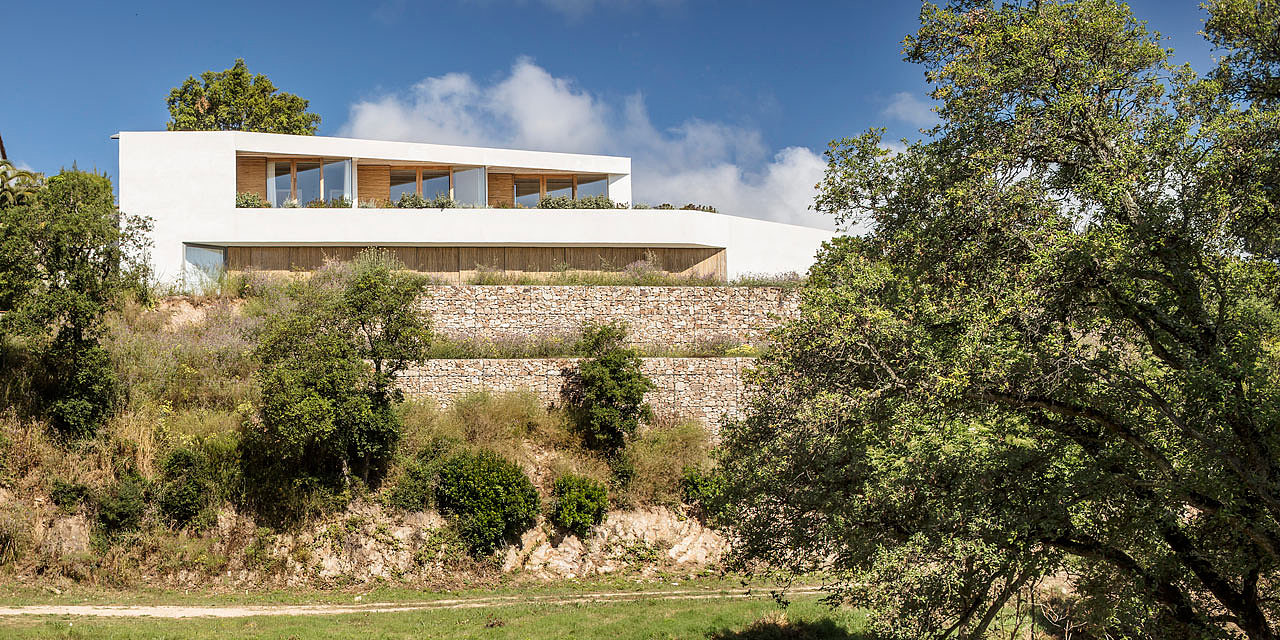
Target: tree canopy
329 358
67 256
1056 354
237 100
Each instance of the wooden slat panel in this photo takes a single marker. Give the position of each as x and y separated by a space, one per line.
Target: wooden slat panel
238 258
470 259
439 262
406 255
306 258
251 176
534 259
269 258
373 182
502 188
459 264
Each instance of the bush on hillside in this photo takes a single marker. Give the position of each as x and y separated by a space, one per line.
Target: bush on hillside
120 508
579 503
415 489
703 491
606 396
68 496
329 363
80 387
489 497
186 489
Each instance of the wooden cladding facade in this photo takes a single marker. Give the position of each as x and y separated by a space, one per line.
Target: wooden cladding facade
373 182
251 175
459 264
502 190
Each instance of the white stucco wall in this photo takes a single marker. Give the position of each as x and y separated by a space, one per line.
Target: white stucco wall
186 182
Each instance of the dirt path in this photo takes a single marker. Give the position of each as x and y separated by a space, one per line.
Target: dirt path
244 611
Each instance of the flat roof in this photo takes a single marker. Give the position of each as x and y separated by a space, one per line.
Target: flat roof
413 152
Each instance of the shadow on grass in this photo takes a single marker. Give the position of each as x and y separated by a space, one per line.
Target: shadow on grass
778 627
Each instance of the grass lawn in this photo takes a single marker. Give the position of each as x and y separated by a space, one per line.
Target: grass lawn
19 594
756 618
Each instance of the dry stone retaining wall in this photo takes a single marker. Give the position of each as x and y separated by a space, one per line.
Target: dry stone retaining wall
671 316
710 389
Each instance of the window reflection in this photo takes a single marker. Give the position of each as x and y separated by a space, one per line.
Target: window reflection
403 181
308 182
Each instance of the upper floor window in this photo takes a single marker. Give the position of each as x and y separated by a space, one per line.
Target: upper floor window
299 183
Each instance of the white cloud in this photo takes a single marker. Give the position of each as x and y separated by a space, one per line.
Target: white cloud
727 166
906 107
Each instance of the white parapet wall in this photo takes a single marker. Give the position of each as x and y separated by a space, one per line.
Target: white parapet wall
186 183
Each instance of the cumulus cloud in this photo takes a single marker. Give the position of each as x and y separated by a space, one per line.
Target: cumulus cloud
906 107
696 161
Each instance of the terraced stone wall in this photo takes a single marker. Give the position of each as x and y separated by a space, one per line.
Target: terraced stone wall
673 316
710 389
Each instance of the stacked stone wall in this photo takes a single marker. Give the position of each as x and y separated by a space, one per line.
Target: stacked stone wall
709 389
671 316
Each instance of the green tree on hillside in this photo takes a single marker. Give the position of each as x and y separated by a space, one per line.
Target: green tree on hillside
68 256
236 100
328 363
1057 353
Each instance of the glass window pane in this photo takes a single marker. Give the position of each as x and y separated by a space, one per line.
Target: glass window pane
527 191
308 182
435 184
403 181
469 187
559 187
278 185
337 180
593 185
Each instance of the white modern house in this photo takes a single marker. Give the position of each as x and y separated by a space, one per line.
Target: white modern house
322 198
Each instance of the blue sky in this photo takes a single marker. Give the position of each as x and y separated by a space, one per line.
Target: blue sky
729 102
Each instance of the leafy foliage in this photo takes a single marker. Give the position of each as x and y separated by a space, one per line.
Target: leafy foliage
1054 354
68 496
415 488
251 200
186 488
121 508
415 201
704 491
328 363
578 503
606 397
585 202
17 186
237 100
490 498
68 257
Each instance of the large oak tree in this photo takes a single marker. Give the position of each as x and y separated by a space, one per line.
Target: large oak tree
1055 356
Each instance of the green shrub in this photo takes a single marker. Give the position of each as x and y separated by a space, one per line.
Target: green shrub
415 489
185 489
121 508
489 497
81 389
606 397
411 201
250 200
586 202
579 503
442 201
704 491
68 495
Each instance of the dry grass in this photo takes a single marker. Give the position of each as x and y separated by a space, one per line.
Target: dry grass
515 425
659 456
204 363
